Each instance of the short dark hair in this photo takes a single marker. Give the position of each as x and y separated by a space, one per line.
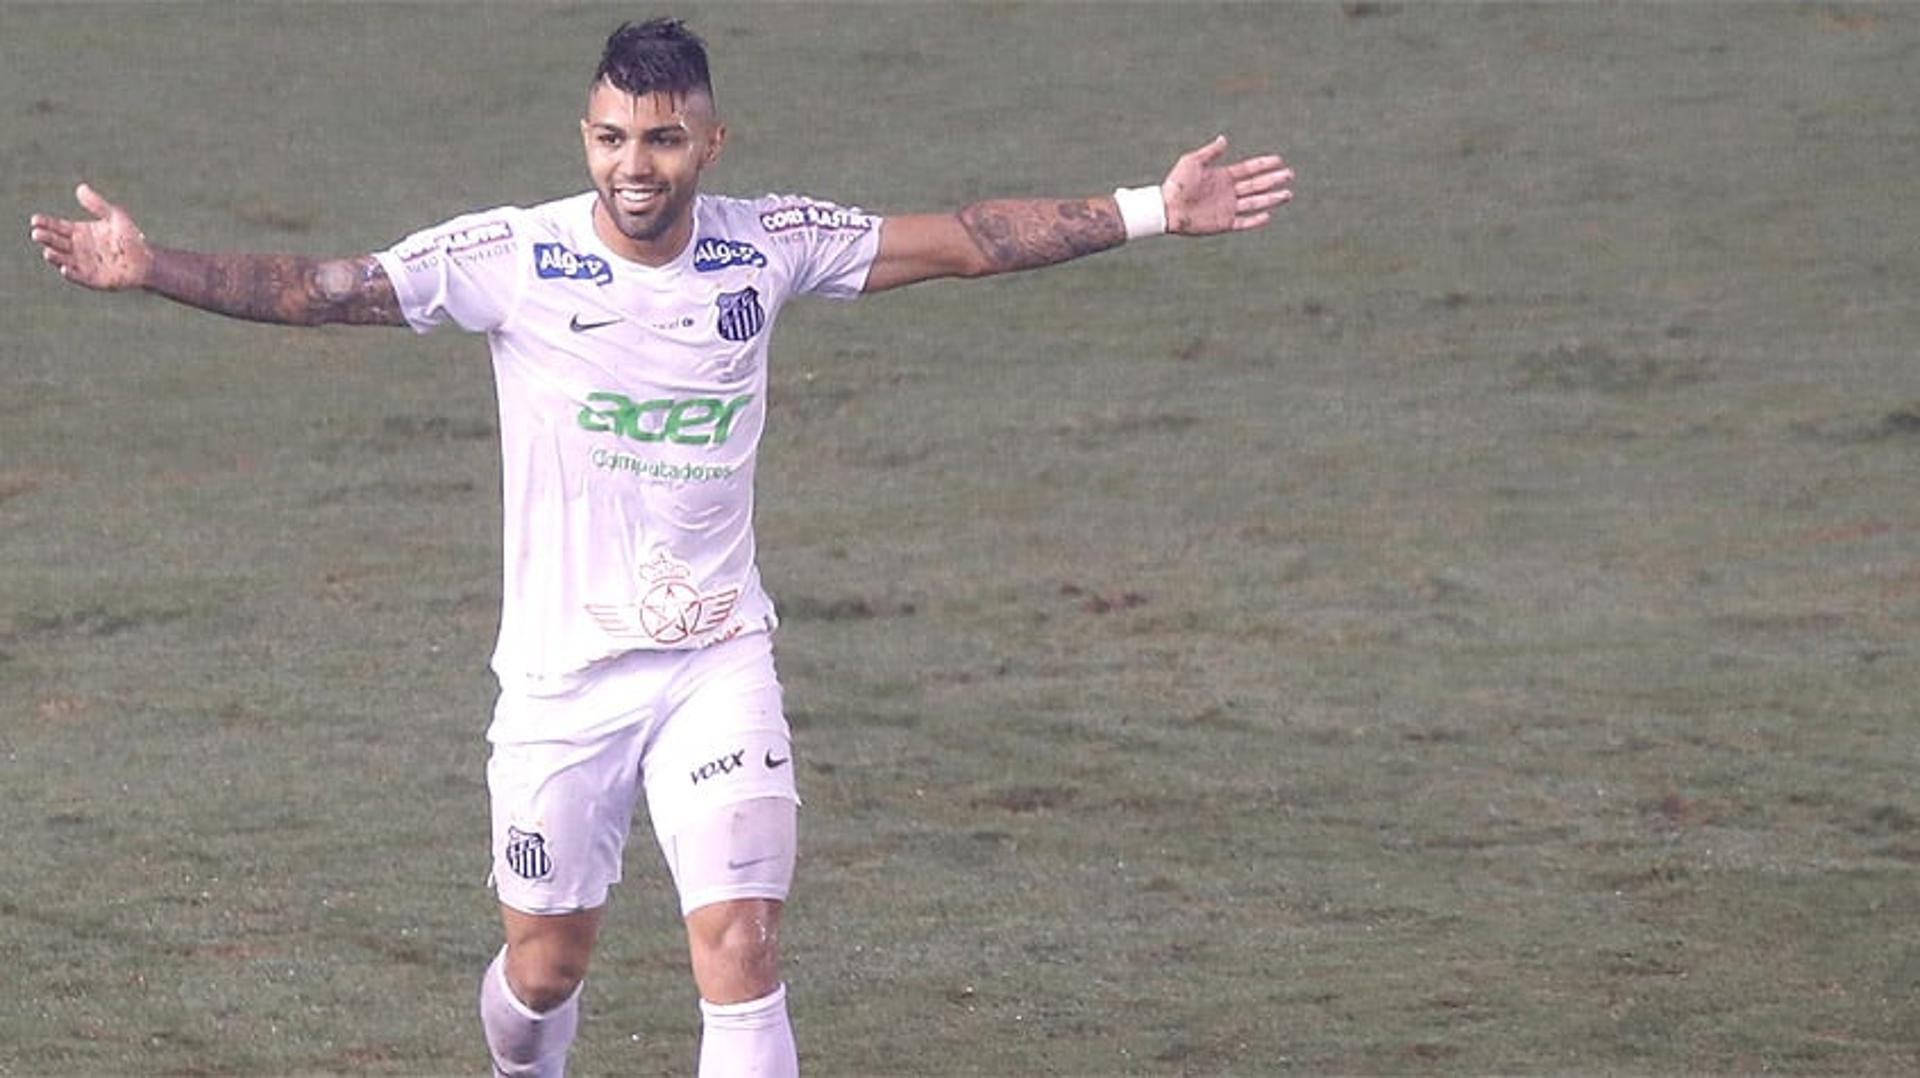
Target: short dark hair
656 56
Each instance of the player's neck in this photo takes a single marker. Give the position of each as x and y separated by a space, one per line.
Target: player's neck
656 252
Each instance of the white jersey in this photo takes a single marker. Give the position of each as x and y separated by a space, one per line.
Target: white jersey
632 399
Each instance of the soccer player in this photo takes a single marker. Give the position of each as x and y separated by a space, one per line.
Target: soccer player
629 326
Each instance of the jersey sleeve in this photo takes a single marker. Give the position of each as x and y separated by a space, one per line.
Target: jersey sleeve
461 271
828 248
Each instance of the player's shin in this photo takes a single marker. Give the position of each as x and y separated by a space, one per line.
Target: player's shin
525 1043
751 1038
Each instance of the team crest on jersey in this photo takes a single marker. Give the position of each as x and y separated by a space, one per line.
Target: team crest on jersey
741 315
527 854
553 260
711 255
673 609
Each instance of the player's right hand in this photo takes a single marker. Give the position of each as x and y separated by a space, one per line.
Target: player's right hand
108 252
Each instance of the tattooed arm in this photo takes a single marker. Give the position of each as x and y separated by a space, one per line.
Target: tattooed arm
1201 196
110 253
992 237
288 289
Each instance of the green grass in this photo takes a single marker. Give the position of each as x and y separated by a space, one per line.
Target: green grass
1469 627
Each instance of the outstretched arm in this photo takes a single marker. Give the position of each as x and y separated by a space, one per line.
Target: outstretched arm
110 253
1201 196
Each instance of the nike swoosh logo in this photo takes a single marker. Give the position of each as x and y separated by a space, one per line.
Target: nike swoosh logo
735 866
581 327
773 763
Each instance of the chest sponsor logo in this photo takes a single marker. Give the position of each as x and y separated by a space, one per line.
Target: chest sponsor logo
711 255
672 608
815 215
685 421
741 315
554 261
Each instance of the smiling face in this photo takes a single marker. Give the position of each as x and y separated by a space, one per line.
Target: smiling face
645 153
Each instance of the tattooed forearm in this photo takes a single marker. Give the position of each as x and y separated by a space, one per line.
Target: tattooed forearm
1017 234
285 289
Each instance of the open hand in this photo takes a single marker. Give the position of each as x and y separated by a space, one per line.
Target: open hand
1204 197
108 252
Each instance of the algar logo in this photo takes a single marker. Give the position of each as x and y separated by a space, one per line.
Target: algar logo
554 261
716 253
688 421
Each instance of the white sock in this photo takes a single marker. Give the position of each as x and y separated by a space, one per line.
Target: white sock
751 1038
524 1043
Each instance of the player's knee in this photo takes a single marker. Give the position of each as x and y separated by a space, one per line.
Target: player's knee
545 989
736 949
747 930
544 979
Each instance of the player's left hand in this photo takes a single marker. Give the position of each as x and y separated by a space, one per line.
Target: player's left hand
1204 196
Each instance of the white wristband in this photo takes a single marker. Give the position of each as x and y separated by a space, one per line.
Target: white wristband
1142 210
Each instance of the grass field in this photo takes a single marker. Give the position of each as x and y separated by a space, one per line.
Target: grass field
1470 627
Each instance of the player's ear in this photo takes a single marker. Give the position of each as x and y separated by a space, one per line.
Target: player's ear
715 143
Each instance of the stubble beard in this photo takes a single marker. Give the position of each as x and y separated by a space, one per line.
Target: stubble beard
648 228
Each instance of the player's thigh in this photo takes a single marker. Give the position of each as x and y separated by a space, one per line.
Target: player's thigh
561 813
739 851
733 868
720 781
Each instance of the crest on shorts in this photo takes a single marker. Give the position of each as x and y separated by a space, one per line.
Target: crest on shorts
672 609
527 854
740 314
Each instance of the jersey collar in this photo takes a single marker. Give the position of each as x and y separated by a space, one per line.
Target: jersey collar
639 271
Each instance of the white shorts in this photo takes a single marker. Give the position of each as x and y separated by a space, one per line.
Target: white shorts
704 733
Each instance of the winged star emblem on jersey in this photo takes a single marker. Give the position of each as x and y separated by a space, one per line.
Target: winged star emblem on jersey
741 315
671 611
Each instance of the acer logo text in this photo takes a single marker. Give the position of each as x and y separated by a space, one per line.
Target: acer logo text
690 421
